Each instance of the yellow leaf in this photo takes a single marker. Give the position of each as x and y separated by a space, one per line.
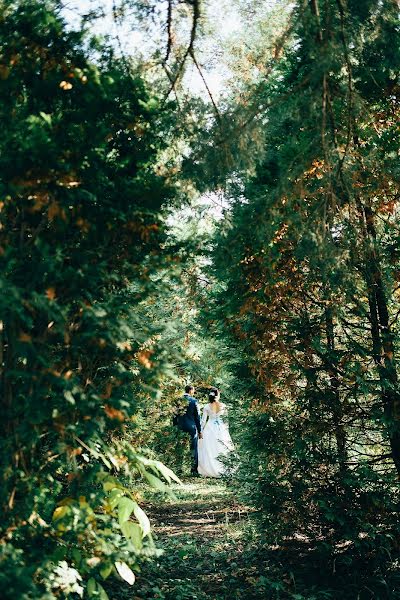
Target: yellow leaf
143 359
65 85
114 413
50 293
24 337
60 512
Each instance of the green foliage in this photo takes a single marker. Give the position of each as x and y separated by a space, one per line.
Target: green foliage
287 300
304 284
81 228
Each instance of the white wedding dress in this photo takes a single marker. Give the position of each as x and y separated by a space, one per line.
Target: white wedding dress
216 441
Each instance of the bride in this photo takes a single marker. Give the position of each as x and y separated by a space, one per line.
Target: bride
216 441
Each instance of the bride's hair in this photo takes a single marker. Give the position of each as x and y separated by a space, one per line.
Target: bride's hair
213 395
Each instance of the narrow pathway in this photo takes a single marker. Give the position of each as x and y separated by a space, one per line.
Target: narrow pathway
212 550
205 535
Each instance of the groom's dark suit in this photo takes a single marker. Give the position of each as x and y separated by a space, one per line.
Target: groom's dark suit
190 422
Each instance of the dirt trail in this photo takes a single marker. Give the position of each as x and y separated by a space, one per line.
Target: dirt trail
212 550
203 536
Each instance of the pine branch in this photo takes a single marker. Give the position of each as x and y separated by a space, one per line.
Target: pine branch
217 113
196 16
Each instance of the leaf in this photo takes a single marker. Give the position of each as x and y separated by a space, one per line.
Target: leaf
155 482
110 484
46 117
114 497
133 532
69 397
142 518
167 473
114 413
91 586
105 571
125 572
76 555
59 554
103 594
51 293
60 512
125 508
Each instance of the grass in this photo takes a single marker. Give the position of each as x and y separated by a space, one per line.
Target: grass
212 549
204 533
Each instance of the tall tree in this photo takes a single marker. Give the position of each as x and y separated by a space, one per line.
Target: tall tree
308 265
81 230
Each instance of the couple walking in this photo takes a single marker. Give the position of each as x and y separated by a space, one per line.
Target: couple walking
209 435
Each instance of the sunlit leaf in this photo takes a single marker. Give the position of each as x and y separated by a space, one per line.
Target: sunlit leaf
142 519
155 482
125 572
102 592
60 512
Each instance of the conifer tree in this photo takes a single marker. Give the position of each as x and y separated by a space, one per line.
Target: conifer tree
308 269
81 231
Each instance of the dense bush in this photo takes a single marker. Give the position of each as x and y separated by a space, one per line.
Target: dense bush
80 232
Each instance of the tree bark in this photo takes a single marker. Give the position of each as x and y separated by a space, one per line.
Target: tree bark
339 431
7 366
382 336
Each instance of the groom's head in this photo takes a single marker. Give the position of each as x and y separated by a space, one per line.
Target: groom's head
189 389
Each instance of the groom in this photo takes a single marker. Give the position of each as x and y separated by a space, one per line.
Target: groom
190 423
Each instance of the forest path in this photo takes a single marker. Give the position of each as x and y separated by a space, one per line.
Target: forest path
213 549
208 543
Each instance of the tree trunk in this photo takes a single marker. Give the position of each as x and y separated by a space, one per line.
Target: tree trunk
7 366
382 336
339 432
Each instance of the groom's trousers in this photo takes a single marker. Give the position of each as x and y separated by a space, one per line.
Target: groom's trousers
189 427
194 447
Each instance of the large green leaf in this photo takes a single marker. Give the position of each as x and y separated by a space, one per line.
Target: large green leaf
91 586
125 508
155 482
115 496
133 532
102 592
